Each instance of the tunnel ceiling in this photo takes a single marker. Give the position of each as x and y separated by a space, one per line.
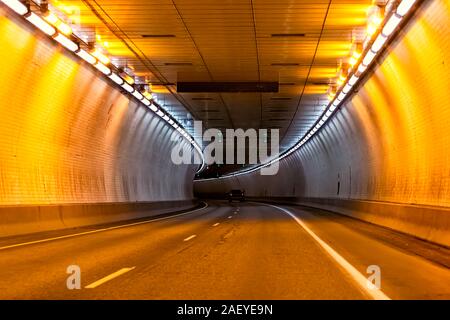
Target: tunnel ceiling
299 44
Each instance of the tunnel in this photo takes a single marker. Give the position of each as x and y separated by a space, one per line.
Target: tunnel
237 149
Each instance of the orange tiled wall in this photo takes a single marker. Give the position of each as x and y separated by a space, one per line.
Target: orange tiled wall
68 136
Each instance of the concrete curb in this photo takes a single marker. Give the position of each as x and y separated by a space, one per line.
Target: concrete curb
20 220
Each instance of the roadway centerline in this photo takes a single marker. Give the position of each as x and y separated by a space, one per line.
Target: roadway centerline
108 278
190 237
359 278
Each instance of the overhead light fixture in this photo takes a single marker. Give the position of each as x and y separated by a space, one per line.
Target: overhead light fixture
138 95
404 7
17 6
66 42
331 92
391 24
148 95
102 68
356 54
153 108
362 68
41 24
370 55
353 80
61 26
378 43
347 88
343 73
127 87
100 56
375 19
116 78
86 56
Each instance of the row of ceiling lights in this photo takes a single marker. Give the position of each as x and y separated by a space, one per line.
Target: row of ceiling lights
379 30
49 23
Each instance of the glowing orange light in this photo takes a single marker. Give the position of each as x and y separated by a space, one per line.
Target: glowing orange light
355 55
127 78
374 22
331 93
64 28
101 57
148 95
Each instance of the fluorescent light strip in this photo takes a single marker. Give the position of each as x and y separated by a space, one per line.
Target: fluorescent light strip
138 95
127 87
86 56
353 80
370 55
404 7
104 69
16 6
379 42
118 80
41 24
362 68
72 46
66 42
389 27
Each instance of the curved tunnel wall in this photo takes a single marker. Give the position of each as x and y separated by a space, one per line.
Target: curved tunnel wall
68 136
385 155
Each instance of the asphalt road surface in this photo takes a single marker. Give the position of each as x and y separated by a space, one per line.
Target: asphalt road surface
225 251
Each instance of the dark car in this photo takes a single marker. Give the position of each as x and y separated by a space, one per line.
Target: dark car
236 194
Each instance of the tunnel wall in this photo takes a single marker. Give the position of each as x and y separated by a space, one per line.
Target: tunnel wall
69 137
385 155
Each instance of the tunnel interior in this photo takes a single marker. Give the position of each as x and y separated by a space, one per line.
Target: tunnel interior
113 112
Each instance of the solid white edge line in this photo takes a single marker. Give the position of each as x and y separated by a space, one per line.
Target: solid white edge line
108 278
100 230
360 279
190 237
